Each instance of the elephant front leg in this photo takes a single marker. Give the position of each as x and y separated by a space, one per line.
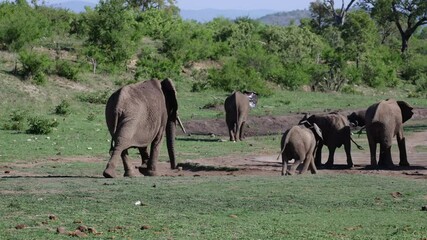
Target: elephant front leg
402 150
144 155
154 153
347 148
318 158
129 170
330 162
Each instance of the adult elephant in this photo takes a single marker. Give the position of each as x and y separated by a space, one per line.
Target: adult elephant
237 107
137 116
299 143
336 132
384 120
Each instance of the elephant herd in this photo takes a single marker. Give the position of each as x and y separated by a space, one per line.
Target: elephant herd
139 114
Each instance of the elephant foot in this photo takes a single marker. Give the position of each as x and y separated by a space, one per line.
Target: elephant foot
404 164
130 173
329 165
351 165
146 172
108 173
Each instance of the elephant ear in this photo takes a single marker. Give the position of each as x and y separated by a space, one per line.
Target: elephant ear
169 92
317 132
406 110
304 119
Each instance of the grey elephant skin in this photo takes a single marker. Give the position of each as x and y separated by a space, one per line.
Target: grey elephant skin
300 143
384 120
357 118
237 107
336 132
137 116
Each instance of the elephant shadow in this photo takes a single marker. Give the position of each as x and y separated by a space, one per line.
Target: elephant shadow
194 139
50 176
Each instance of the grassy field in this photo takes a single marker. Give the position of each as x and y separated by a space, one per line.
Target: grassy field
302 207
52 190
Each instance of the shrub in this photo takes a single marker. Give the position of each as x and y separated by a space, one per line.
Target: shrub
154 65
63 108
98 97
67 70
34 65
16 122
39 125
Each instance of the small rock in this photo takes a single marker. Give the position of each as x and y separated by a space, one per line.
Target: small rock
145 227
138 203
233 216
7 171
424 208
77 221
61 230
179 168
82 228
53 217
396 194
77 233
92 230
21 226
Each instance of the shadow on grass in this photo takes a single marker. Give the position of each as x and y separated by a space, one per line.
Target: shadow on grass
195 167
51 176
369 167
198 139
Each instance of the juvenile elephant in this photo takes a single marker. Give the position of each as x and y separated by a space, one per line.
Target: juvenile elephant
237 107
336 132
299 143
137 116
384 120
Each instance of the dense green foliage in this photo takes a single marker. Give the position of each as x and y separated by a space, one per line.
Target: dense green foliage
363 49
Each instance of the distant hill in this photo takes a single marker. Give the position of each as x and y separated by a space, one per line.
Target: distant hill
285 18
206 15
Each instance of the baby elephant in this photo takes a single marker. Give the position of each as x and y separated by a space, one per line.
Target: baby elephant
300 143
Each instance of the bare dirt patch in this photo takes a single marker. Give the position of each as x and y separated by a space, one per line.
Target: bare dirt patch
259 164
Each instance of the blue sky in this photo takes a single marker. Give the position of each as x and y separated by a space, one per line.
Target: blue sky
278 5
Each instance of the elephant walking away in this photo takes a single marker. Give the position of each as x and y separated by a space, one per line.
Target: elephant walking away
237 107
384 120
137 116
299 143
336 132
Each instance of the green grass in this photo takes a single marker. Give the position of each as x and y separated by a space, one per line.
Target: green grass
308 207
302 207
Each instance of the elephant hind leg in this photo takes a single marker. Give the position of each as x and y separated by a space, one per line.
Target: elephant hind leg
284 164
241 131
313 167
318 157
110 170
144 155
373 151
402 149
307 161
385 160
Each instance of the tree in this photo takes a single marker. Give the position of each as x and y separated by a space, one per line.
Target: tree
339 16
144 5
112 34
408 15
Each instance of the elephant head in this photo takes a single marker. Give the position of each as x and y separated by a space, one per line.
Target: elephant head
357 118
314 128
252 97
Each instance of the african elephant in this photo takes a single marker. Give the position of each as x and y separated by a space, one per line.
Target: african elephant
299 143
137 116
237 107
384 120
336 132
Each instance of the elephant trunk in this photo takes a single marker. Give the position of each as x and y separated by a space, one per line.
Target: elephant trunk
170 142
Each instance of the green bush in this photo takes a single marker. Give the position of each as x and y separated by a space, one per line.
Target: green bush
67 70
154 65
98 97
16 122
35 65
39 125
234 77
63 108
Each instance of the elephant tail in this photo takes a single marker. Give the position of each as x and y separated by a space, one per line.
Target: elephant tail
113 133
357 145
285 141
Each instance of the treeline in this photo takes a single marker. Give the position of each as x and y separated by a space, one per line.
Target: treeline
378 43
